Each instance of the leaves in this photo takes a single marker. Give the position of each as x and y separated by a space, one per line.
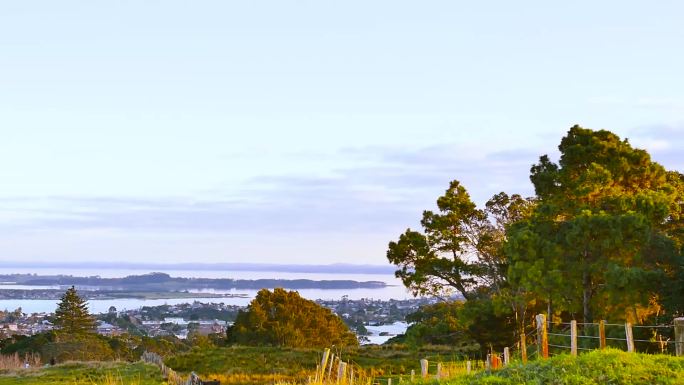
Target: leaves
460 247
284 318
601 207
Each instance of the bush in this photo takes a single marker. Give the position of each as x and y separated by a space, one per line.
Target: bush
80 348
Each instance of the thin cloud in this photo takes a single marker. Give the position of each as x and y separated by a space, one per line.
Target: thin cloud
390 187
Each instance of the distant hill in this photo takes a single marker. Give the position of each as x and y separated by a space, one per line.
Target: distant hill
165 282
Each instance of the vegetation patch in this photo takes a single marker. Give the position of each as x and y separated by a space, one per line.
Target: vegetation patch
266 365
598 367
113 373
284 318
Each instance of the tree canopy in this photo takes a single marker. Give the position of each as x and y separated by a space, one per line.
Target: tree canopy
284 318
601 238
460 245
600 242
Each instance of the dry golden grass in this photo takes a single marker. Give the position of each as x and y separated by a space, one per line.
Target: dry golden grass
333 371
15 361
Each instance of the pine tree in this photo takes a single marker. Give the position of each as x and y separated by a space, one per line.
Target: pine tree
72 316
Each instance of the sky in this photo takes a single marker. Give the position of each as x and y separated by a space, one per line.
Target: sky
309 132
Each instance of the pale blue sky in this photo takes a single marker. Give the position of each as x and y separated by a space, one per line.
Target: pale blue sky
303 131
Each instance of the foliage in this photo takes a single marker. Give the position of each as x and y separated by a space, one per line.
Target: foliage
86 374
594 368
72 316
78 348
462 248
459 247
164 345
284 318
599 240
602 239
93 347
438 324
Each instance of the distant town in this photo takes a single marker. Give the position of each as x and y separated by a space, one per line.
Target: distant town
208 318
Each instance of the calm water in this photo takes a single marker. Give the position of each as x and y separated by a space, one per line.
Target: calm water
393 330
395 291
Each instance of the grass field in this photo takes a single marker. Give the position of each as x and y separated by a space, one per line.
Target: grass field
263 365
612 367
113 373
246 365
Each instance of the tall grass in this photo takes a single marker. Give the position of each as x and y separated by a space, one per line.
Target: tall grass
15 361
334 371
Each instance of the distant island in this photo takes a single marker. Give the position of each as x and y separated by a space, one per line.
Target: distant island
162 282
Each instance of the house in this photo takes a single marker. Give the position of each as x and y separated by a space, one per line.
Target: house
107 329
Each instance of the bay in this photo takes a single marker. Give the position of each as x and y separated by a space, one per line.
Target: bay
394 290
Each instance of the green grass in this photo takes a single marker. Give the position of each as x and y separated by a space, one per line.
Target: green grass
264 365
112 373
612 367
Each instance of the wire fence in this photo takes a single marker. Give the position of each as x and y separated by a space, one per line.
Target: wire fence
597 335
554 338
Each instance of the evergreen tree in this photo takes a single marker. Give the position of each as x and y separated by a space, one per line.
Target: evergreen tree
72 316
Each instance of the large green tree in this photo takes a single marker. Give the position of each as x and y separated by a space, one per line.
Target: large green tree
72 317
284 318
459 247
601 237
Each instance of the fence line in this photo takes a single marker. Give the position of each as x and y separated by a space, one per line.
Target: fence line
660 339
334 370
568 333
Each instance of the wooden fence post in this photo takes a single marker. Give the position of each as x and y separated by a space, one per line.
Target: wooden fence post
679 335
332 363
439 370
488 364
629 337
341 372
469 367
523 348
507 356
602 334
424 368
542 337
324 362
413 375
389 381
573 338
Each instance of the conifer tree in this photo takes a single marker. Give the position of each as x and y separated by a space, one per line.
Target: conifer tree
72 316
